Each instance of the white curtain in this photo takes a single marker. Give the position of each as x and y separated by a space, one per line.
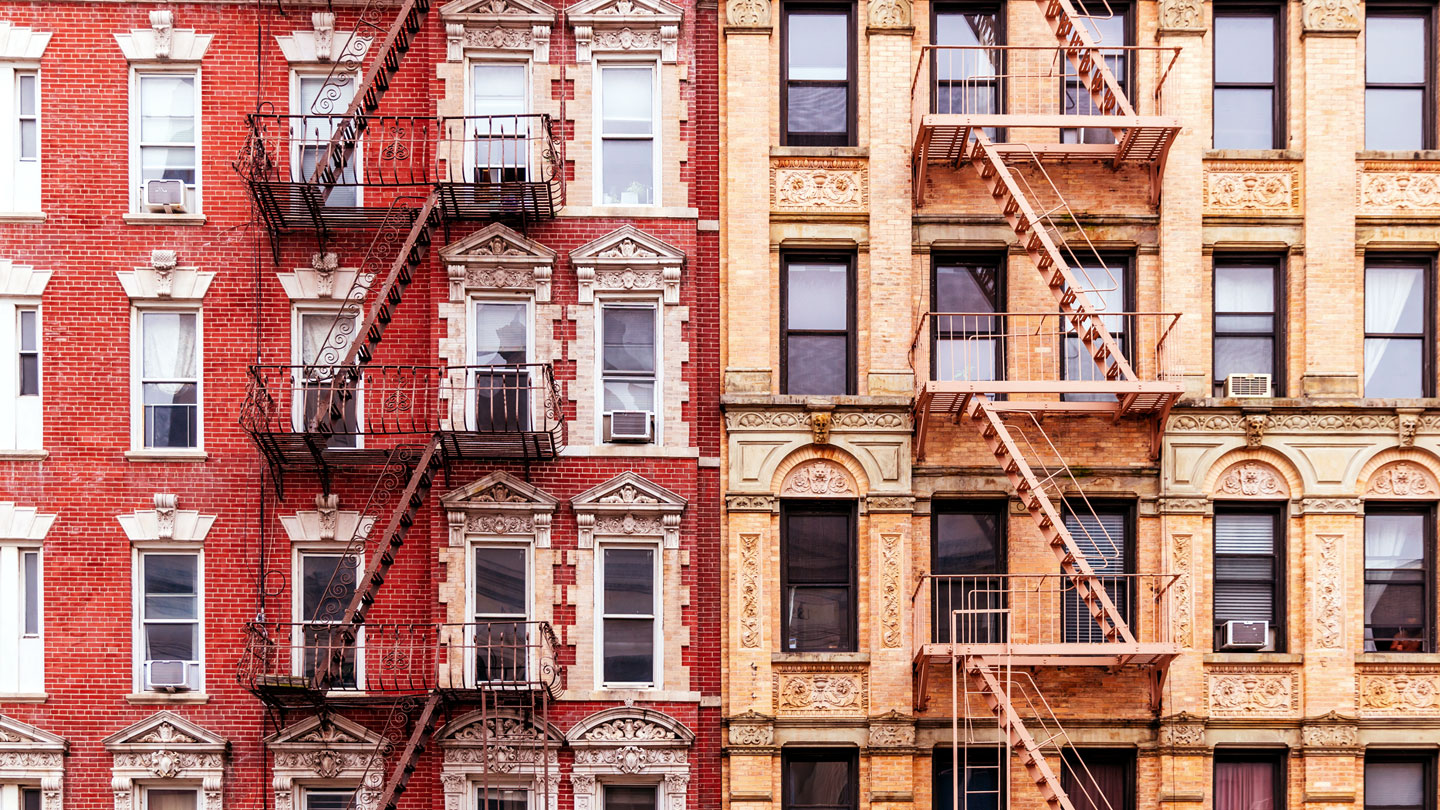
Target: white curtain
170 800
1387 291
169 347
1394 541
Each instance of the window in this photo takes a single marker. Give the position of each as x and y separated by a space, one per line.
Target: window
170 618
968 346
1398 564
629 797
327 586
25 178
330 799
819 779
982 787
501 605
629 364
628 111
630 603
1249 781
819 82
22 615
1399 780
1099 779
501 799
1399 77
156 799
21 416
1107 283
1250 570
501 380
818 325
968 67
30 593
28 343
1397 328
1115 31
322 345
167 132
817 570
169 379
1247 312
967 555
1105 534
1247 100
29 798
497 136
321 104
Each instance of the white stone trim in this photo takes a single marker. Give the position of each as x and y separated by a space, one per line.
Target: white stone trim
629 507
507 749
20 44
326 751
323 280
498 505
163 42
22 280
481 27
23 523
626 745
322 44
498 259
326 523
166 747
628 260
30 753
626 26
166 522
165 279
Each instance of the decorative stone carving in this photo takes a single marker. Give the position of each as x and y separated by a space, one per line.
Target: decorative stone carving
891 730
819 185
888 421
749 503
1402 479
497 25
820 427
818 478
1182 731
1332 506
166 746
165 279
1330 731
1409 425
1181 15
1252 691
751 734
749 581
317 46
1247 188
485 745
163 42
1184 506
1330 592
1252 479
27 752
499 504
628 259
1254 429
1331 16
890 564
748 14
1390 691
630 505
1396 189
889 503
629 741
166 522
326 523
1307 422
626 26
820 692
1180 590
889 13
496 258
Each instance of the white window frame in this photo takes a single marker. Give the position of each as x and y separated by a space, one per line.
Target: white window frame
598 126
529 102
658 306
657 616
357 159
472 305
472 617
18 172
297 358
323 787
300 620
22 417
606 782
137 388
137 590
190 787
15 644
137 190
499 782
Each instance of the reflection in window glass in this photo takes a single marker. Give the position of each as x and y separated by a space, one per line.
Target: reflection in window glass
170 378
627 135
817 341
1245 328
1246 80
817 77
1397 601
1397 115
628 615
1395 329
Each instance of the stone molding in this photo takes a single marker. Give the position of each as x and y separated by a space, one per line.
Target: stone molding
318 45
1330 592
749 579
883 14
891 732
498 259
21 44
323 280
1332 506
166 746
165 280
634 743
1332 733
1399 689
890 503
749 503
1185 506
1252 479
1314 421
628 505
166 522
326 748
889 421
504 749
22 280
497 25
748 14
820 690
326 523
28 752
1331 16
626 26
1251 691
1181 546
818 478
892 633
820 185
24 523
1396 188
1402 480
1249 188
1182 731
500 504
628 260
163 42
1181 16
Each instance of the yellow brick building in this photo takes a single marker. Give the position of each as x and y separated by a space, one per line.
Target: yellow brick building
1080 462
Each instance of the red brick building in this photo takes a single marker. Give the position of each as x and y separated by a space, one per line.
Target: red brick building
362 368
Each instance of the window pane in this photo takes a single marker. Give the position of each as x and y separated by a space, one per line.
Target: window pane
498 89
319 574
168 163
818 618
30 562
1393 368
1245 786
170 800
1242 533
629 339
1395 541
170 573
629 581
1245 323
29 799
965 29
629 650
167 112
326 799
817 296
170 642
815 781
500 333
1244 356
628 101
501 799
28 341
1391 605
967 543
1394 118
500 578
624 797
1244 49
622 395
1395 49
818 547
1244 118
817 108
981 783
1394 784
817 364
25 84
628 171
819 46
168 345
1244 288
29 139
966 288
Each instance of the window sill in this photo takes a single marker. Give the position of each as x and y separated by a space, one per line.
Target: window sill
630 450
167 698
1254 658
165 219
167 455
1397 658
820 151
24 697
1403 154
647 695
24 455
1253 154
21 217
820 658
630 211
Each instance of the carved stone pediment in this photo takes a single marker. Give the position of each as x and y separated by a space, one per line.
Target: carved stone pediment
500 504
22 280
165 730
323 280
1402 479
166 522
20 44
631 742
18 736
626 26
23 523
326 522
497 258
28 752
322 44
628 259
628 505
326 747
165 279
323 731
497 25
163 42
498 748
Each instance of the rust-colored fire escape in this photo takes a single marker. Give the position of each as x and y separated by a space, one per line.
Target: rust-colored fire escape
321 171
1003 373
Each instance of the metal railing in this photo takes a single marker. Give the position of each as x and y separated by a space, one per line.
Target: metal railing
402 658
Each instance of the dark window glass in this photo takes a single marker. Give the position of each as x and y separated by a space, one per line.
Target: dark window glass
1247 80
327 799
629 615
1111 32
1399 781
1099 780
629 797
1104 539
170 799
1398 596
29 323
823 779
1397 330
171 606
29 799
502 383
968 553
1107 285
980 789
1249 586
968 69
819 75
818 571
170 378
967 344
1398 104
503 799
500 594
324 343
327 586
818 341
1248 782
1245 320
30 571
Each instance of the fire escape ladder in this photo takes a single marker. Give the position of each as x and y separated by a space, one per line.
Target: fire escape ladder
1019 739
1049 258
1084 54
409 758
1038 504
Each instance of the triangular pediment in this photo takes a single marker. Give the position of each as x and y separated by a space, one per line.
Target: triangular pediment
500 244
20 44
628 491
499 490
15 735
627 245
622 726
324 731
624 12
166 730
533 11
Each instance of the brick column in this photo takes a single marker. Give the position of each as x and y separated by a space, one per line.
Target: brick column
891 293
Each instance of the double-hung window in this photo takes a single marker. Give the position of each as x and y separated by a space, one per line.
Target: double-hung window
1249 780
321 104
21 610
335 799
1399 76
170 616
501 608
1400 780
629 615
498 798
167 379
1399 573
1248 74
968 562
817 324
327 586
498 128
1099 779
1112 32
1398 331
817 571
629 370
967 340
171 798
968 65
23 172
630 797
1249 570
19 797
167 133
819 779
501 379
628 139
20 412
1105 535
321 347
1108 286
980 785
1247 317
819 81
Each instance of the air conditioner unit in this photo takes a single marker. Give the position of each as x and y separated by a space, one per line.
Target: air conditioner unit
629 426
165 195
1246 635
1248 385
171 676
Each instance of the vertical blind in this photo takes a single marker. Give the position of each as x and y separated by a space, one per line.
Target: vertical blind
1103 542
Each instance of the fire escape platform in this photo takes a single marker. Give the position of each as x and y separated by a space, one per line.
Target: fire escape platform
945 139
297 207
1131 397
1140 654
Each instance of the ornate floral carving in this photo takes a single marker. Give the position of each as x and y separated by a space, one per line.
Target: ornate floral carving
1252 479
628 259
1182 734
1251 188
1180 591
749 503
750 590
630 758
889 13
818 184
818 477
627 248
165 734
629 729
1249 691
1329 735
1331 506
499 278
1330 592
500 524
752 734
890 634
1184 506
1402 692
628 493
1181 15
888 733
1332 15
820 693
747 13
890 503
628 523
797 420
498 37
1401 479
1410 191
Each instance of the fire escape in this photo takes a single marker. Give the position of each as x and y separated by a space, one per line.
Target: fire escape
340 166
997 110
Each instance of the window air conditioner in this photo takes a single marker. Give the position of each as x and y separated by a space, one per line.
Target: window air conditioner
1246 635
1248 385
165 195
629 426
170 676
